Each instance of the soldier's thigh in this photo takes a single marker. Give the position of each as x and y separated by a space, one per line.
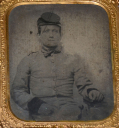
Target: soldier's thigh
69 112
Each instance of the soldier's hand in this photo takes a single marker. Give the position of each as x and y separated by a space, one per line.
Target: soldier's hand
95 95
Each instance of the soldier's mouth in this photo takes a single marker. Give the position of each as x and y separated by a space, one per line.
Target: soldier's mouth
50 40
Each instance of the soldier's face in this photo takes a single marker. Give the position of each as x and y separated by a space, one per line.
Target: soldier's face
50 35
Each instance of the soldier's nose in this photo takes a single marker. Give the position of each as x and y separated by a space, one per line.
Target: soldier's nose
51 35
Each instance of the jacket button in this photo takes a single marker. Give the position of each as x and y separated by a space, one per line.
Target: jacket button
54 79
52 60
54 70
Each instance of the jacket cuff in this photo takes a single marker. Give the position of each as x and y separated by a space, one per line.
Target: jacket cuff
34 105
90 89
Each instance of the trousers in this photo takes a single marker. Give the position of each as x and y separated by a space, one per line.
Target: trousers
58 109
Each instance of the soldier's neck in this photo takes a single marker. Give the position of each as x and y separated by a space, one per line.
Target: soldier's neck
47 48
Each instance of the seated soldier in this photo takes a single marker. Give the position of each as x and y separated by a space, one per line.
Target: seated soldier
44 81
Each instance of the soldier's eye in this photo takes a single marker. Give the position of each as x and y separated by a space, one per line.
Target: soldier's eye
54 30
46 30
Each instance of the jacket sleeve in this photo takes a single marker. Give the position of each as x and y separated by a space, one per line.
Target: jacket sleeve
80 79
20 91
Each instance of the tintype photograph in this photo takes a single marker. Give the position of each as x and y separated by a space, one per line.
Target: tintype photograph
60 63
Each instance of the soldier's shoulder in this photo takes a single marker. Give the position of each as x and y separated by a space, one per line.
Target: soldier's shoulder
71 56
32 53
29 57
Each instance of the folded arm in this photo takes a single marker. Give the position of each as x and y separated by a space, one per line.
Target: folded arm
84 85
20 90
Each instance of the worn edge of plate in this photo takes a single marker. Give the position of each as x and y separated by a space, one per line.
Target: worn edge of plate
7 118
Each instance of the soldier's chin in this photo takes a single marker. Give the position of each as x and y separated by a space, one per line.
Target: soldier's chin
51 45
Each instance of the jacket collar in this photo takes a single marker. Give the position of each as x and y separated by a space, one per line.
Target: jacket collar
48 51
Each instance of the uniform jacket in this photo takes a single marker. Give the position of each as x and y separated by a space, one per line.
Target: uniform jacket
47 77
